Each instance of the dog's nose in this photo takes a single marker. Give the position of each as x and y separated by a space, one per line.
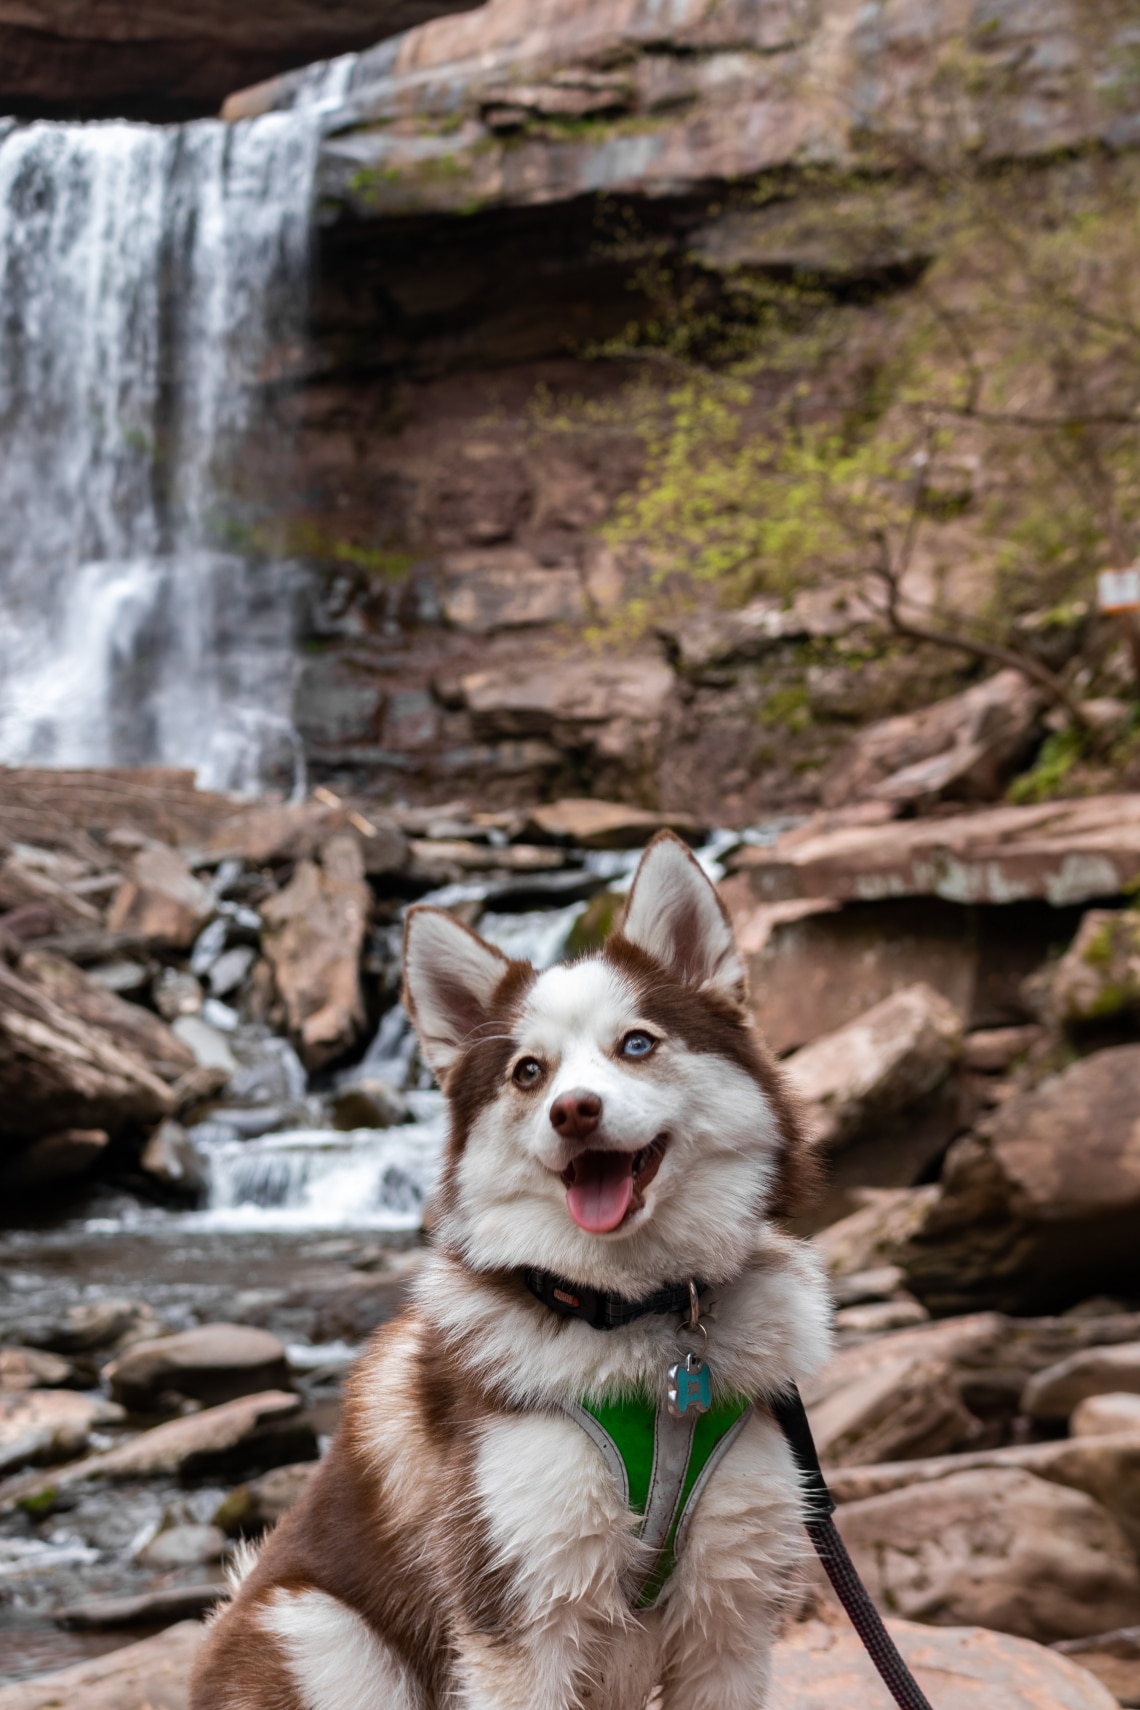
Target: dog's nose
576 1114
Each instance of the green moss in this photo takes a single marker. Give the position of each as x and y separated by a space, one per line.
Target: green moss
789 709
1098 951
39 1502
1059 754
594 925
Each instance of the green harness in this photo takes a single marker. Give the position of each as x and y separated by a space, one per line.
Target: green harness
661 1465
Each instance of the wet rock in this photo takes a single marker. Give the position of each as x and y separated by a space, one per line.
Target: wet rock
1114 1658
127 1024
261 1503
1055 1392
92 1325
1099 975
212 1363
593 824
368 1104
350 1309
231 970
1107 1415
1026 1219
1002 1549
482 592
206 1044
40 1427
314 934
150 1609
55 1158
1061 852
172 1161
822 1666
813 967
152 1675
887 1059
177 993
57 1071
964 748
161 903
183 1546
125 978
31 1368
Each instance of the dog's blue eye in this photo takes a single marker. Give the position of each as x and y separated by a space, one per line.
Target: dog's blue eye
637 1045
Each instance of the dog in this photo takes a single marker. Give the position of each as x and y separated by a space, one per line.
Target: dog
514 1514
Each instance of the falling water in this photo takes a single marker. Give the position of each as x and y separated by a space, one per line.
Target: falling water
151 279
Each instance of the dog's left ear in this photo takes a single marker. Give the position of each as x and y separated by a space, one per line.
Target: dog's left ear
675 915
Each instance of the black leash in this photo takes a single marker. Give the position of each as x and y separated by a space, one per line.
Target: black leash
788 1412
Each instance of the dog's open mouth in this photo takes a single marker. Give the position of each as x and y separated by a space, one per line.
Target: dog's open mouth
603 1189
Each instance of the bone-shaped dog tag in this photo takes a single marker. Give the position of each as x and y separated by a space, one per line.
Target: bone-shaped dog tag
690 1388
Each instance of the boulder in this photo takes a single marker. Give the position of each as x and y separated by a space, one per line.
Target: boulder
594 824
993 1050
1098 977
1063 852
89 1326
813 967
1028 1219
1107 1468
211 1363
880 1063
964 748
314 933
152 1675
31 1368
1107 1415
822 1666
161 902
718 637
128 1025
183 1546
275 832
1114 1658
55 1158
613 706
999 1548
39 1427
149 1609
238 1437
57 1071
875 1318
1058 1390
209 1048
261 1503
868 1238
904 1408
368 1104
173 1163
482 592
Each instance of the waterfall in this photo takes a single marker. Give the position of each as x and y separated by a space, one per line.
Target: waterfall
152 280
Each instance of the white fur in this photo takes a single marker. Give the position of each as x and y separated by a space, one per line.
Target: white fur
337 1660
451 977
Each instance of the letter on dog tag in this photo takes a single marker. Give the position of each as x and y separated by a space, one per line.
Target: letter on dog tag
690 1388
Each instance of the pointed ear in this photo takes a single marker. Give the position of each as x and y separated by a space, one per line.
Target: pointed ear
450 981
675 916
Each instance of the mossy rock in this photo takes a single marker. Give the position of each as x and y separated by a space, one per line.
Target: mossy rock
594 925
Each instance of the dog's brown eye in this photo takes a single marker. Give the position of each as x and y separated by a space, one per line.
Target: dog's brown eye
528 1073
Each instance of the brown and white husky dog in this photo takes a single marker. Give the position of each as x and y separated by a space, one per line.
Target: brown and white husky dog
465 1543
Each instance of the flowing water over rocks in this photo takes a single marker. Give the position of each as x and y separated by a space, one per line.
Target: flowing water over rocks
151 279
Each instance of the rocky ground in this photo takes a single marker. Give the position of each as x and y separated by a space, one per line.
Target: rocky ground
958 1005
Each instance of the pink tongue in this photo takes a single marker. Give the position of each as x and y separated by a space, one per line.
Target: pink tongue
602 1190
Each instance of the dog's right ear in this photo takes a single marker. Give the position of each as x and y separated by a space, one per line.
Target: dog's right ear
450 980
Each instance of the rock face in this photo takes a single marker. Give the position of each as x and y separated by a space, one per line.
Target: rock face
819 1666
315 929
150 62
885 1060
1000 1549
963 748
211 1363
1028 1217
152 1675
1061 852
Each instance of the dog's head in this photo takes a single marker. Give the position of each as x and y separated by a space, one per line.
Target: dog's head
615 1120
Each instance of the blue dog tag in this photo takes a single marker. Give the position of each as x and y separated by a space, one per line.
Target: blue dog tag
690 1388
